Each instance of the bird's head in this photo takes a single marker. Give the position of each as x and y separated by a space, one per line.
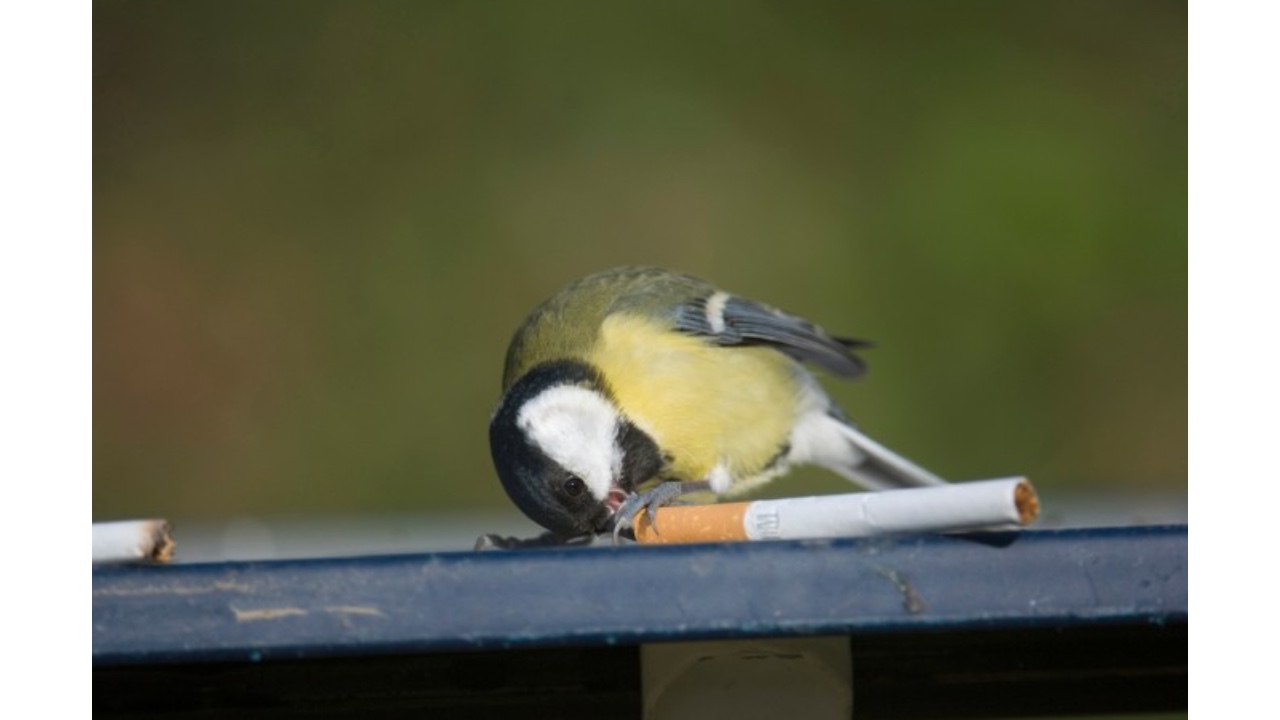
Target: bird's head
565 453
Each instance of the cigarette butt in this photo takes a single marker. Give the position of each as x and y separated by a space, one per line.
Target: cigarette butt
133 541
986 504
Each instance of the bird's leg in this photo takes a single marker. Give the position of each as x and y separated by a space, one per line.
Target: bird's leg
666 493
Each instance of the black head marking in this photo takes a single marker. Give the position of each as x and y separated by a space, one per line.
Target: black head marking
641 458
550 495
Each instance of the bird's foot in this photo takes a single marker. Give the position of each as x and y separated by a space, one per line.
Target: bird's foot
667 493
492 541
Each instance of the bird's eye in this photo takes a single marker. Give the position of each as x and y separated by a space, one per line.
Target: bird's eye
574 486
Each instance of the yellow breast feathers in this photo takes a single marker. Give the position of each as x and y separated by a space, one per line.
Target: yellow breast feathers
702 404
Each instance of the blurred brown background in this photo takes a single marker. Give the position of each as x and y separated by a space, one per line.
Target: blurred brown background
316 225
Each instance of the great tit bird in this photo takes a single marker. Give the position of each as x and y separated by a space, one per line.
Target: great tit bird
638 386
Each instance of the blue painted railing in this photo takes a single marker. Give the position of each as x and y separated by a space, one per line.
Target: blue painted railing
598 597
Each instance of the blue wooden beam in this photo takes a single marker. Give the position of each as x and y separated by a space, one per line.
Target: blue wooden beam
601 597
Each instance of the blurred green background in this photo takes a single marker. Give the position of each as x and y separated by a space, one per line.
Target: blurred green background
316 225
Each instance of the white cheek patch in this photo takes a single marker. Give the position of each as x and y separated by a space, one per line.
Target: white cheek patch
715 311
577 428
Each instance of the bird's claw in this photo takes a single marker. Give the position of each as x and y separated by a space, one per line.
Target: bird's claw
493 541
664 494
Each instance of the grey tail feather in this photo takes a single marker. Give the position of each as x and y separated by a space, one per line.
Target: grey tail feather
881 468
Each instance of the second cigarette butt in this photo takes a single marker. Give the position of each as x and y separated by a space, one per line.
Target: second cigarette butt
133 541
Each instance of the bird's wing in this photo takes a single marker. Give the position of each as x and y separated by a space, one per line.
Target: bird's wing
727 319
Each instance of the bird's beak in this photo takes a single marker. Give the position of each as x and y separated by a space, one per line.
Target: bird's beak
614 500
617 496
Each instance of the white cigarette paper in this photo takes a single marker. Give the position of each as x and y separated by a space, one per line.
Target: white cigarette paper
132 541
986 504
981 505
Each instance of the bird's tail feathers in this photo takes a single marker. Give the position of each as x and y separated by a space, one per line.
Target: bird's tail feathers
875 466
